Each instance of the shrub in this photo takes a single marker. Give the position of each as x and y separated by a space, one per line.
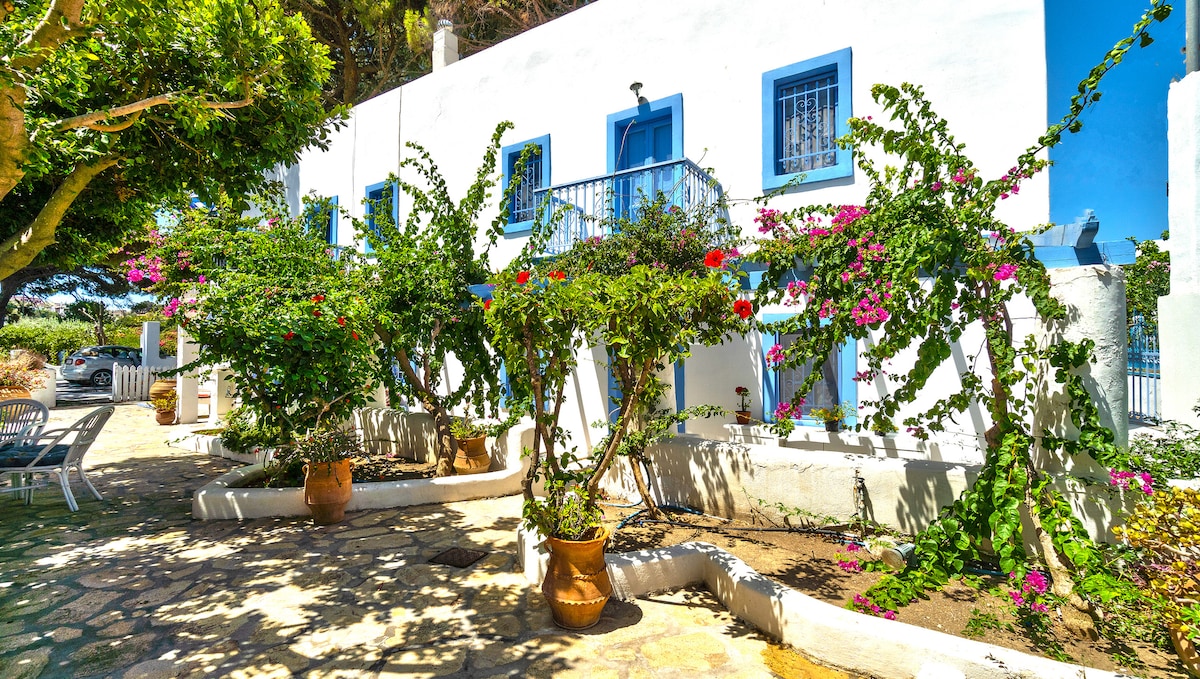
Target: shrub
1165 529
46 336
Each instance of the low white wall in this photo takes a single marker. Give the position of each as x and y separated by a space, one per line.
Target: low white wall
46 395
746 481
224 499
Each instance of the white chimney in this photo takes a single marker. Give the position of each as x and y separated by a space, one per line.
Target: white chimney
445 45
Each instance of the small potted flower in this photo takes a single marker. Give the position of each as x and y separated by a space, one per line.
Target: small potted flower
164 407
743 411
832 417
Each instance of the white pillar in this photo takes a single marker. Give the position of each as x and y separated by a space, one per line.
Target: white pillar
1179 331
445 45
220 401
187 386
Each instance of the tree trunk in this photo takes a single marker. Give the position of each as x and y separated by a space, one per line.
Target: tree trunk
1078 615
651 508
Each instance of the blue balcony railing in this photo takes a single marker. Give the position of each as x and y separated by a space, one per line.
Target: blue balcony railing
590 207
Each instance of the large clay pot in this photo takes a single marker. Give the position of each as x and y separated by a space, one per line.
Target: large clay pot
161 388
576 584
472 457
11 392
164 416
327 488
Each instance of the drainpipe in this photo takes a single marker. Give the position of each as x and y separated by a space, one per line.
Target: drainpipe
1193 36
445 45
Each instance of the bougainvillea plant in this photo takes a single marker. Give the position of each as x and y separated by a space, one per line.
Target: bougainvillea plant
919 264
265 297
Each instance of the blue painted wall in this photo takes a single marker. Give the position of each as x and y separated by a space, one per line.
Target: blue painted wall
1117 165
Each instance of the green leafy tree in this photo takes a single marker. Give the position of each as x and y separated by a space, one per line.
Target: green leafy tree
418 291
915 267
269 301
1147 279
146 101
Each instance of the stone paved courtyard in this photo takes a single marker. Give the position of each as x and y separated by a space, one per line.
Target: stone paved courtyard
134 587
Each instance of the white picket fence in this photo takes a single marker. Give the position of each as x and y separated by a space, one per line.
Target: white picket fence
132 383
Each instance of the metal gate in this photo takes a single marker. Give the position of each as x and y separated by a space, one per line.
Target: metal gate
1144 373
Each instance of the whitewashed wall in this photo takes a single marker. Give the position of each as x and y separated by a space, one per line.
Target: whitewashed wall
982 66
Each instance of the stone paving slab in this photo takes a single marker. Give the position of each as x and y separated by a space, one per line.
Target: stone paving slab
133 587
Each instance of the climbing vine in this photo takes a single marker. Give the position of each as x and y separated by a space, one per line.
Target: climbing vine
924 265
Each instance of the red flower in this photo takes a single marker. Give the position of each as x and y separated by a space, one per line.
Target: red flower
342 321
289 335
316 312
743 308
487 304
714 259
317 299
558 275
354 334
523 278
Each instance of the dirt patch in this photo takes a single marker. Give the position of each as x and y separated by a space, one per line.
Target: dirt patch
808 563
367 469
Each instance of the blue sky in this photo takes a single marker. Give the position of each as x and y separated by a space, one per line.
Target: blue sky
1117 165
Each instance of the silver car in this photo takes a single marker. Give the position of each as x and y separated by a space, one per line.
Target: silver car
94 365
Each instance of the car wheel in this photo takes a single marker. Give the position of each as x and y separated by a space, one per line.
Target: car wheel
102 378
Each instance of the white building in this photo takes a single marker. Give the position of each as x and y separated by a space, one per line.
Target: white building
714 77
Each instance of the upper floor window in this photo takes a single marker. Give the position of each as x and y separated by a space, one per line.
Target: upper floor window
322 218
534 177
382 199
805 109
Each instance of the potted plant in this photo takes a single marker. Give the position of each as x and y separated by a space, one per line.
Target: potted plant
328 455
743 411
471 437
164 407
832 417
883 427
21 374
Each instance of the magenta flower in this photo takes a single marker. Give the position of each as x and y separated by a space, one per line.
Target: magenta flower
1005 272
135 275
890 615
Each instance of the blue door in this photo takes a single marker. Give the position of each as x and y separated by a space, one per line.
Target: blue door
641 143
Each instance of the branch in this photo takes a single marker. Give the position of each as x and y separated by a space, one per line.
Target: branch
19 250
92 120
61 23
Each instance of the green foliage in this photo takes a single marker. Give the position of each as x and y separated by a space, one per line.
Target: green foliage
243 433
327 445
920 263
1147 279
275 308
835 414
46 336
216 91
417 290
1165 530
167 402
981 625
1174 454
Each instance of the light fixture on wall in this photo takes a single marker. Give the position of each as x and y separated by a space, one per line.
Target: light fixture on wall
636 88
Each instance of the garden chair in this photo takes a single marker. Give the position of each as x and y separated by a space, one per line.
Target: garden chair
55 451
21 418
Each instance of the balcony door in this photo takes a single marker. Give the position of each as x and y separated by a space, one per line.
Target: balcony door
643 137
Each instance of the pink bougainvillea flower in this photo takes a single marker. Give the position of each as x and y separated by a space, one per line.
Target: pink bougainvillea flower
1005 272
135 275
743 308
289 335
890 615
714 259
201 280
523 278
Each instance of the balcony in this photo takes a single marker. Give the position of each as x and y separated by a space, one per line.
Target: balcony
590 207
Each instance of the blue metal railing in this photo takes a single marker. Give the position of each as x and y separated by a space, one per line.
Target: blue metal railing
1144 372
591 206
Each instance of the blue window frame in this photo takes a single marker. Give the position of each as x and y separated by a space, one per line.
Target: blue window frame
331 227
805 107
379 196
535 178
836 386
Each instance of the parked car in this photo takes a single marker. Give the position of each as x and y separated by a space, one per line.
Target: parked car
94 365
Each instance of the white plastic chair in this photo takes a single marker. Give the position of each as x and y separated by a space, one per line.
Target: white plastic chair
21 418
57 452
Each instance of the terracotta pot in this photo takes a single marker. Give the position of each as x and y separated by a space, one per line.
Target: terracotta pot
472 457
743 416
164 416
327 488
576 584
161 388
1185 649
12 392
833 426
